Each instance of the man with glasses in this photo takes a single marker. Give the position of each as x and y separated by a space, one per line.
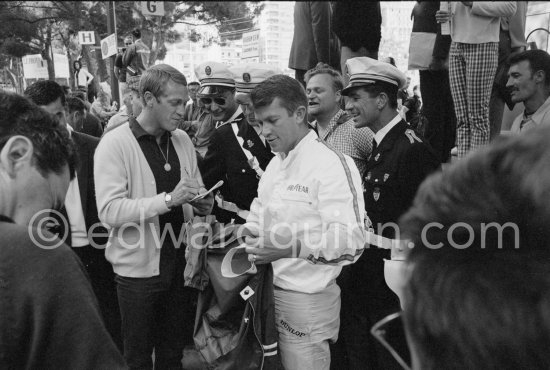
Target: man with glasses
399 162
477 296
237 155
136 56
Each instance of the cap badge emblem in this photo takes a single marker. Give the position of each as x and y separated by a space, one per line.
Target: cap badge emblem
250 143
376 194
208 70
386 176
246 77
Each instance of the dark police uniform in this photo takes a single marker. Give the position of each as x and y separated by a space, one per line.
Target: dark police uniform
394 171
225 160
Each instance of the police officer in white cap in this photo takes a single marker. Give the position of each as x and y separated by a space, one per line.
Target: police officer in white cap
399 162
237 153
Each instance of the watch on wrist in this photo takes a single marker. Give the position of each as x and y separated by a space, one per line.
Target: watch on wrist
168 200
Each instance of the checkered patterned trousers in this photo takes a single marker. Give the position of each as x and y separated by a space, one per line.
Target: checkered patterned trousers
472 69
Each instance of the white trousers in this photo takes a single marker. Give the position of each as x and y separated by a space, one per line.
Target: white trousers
306 323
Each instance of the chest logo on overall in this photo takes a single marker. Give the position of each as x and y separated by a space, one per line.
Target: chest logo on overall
376 194
298 188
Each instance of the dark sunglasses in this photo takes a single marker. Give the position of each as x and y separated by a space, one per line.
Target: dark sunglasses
127 43
218 101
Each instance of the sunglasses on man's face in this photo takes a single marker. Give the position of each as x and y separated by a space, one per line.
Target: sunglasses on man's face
127 43
218 100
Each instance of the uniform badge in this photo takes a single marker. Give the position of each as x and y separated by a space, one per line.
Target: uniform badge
208 70
377 157
249 143
376 194
368 176
246 77
386 176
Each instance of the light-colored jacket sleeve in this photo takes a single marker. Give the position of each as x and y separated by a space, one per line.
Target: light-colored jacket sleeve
516 25
341 204
494 8
112 170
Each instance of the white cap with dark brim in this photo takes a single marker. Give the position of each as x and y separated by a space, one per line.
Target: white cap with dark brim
248 76
214 74
367 71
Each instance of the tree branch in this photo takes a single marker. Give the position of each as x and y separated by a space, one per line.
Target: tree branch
33 21
192 24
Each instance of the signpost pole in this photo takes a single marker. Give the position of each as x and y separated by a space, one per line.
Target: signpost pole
111 28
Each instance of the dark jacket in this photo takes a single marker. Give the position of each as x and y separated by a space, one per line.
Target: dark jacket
395 170
86 146
92 126
313 39
226 161
357 24
230 332
49 316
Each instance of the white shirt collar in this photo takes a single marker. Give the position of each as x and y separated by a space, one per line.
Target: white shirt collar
379 136
235 115
539 113
311 136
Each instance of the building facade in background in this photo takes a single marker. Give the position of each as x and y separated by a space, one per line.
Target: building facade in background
276 24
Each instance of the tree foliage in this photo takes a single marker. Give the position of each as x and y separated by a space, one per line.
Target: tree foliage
32 27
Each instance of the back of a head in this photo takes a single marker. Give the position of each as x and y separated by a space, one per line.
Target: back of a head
78 94
75 104
53 148
290 92
479 310
136 33
479 291
45 92
156 77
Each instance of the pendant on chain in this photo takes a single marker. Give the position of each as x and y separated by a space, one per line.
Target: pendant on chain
167 167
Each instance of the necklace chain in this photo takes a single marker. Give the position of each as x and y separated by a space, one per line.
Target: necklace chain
167 166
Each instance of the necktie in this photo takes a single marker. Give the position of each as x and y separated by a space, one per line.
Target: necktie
374 145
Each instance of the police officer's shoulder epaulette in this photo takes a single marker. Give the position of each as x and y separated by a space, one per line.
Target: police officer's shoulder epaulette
220 124
411 135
